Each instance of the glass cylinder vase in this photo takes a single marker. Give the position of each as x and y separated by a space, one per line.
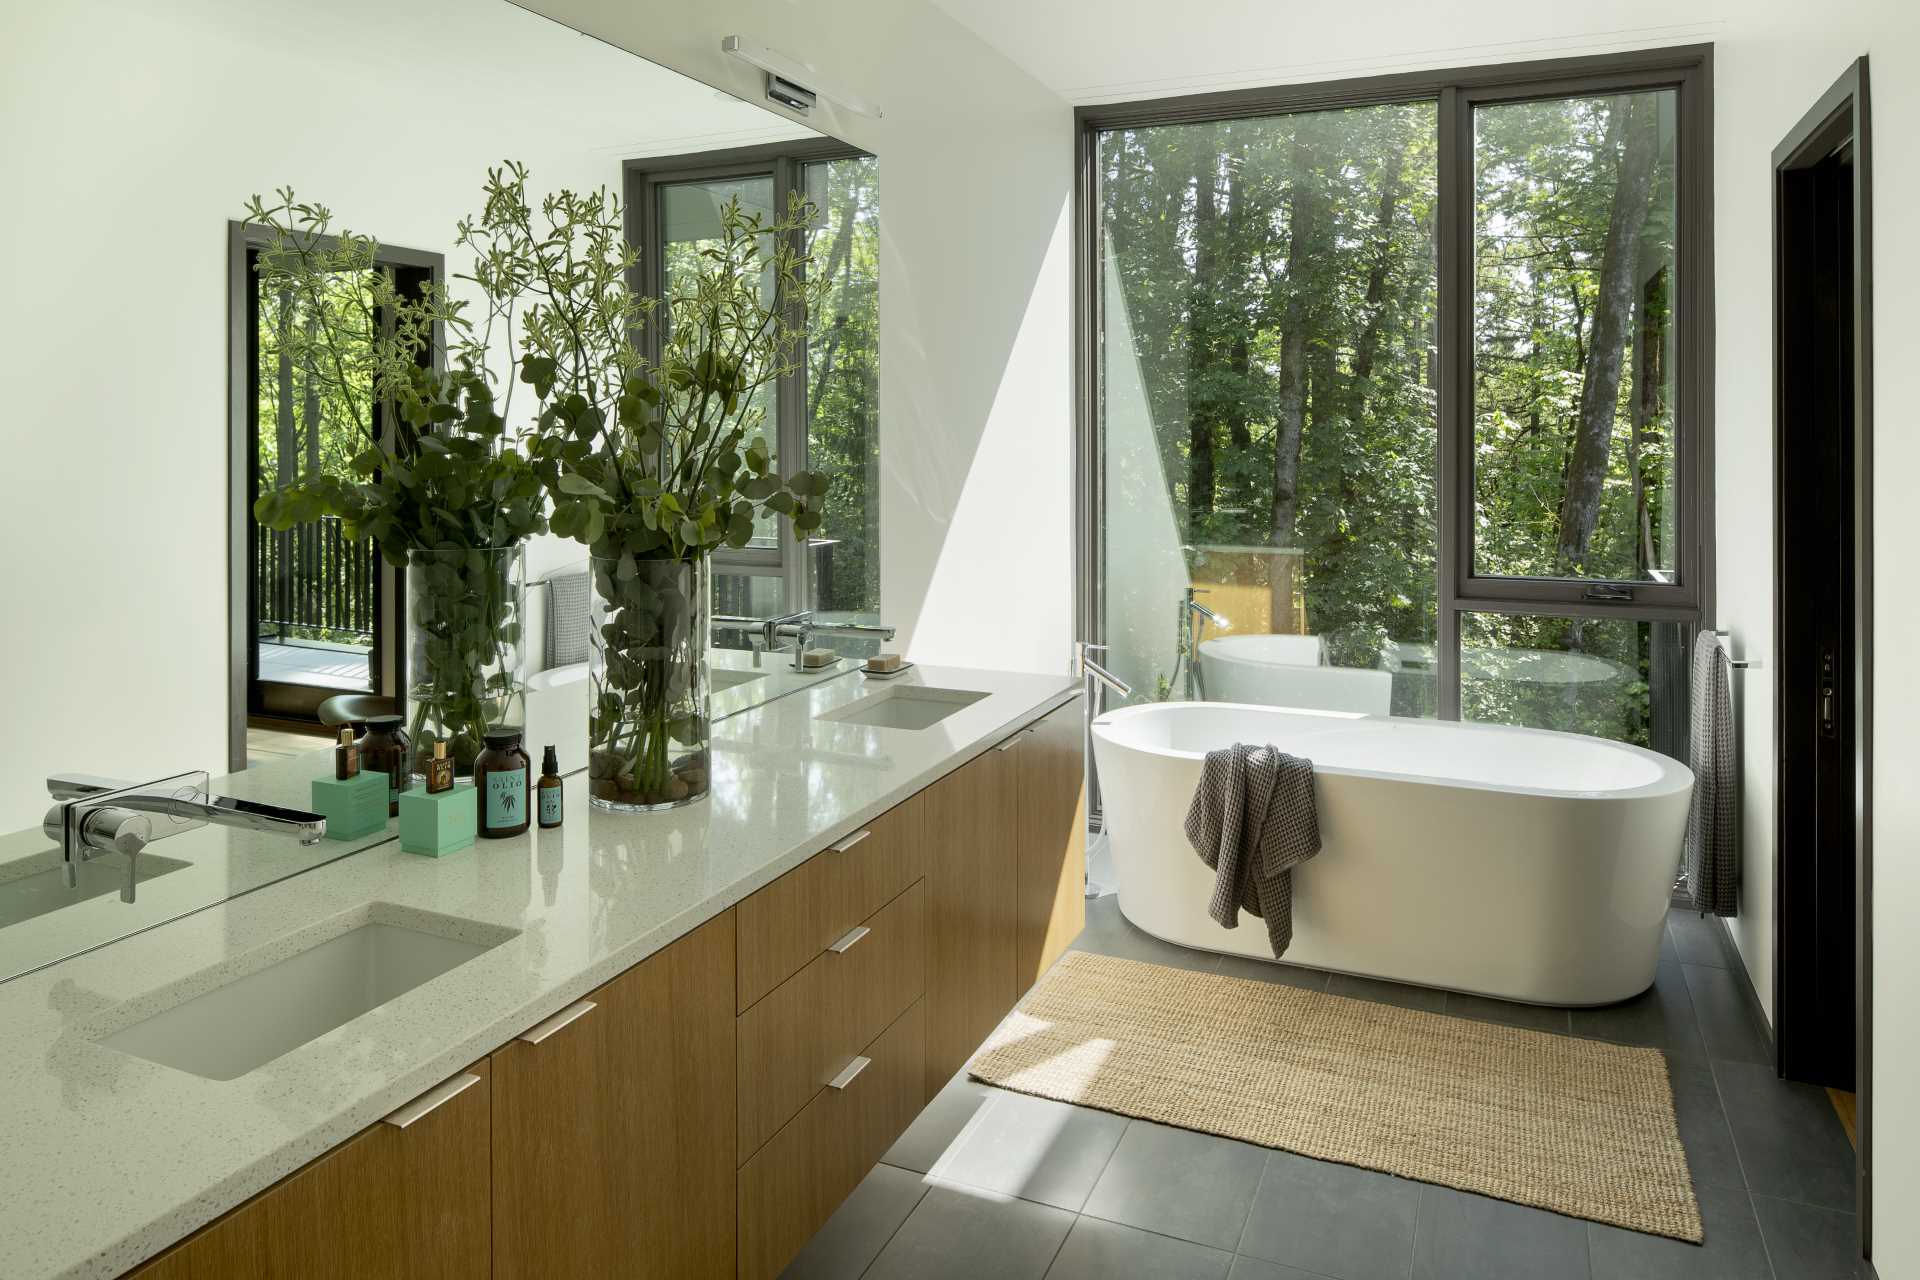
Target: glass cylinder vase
647 666
466 668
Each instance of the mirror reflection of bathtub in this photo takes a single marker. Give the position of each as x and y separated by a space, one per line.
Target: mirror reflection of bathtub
1517 863
1292 671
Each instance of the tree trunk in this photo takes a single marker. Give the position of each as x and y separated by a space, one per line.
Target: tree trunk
310 403
286 448
1632 133
1201 301
1304 217
840 262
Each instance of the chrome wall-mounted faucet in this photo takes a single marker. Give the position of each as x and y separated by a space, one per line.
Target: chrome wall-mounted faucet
1102 678
122 818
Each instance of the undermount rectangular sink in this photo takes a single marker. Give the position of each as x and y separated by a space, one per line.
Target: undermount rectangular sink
904 707
253 1019
723 678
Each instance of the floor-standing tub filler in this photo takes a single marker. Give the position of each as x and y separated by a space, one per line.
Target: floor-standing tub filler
1516 863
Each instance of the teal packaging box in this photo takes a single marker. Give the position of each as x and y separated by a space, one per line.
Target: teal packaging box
354 807
438 824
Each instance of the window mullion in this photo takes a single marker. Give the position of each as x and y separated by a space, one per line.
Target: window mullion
1453 525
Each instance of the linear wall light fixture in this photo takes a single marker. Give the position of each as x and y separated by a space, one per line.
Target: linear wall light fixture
792 83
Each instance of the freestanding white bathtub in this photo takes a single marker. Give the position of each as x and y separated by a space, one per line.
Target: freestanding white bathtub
1516 863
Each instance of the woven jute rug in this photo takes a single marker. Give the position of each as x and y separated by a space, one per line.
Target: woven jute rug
1575 1126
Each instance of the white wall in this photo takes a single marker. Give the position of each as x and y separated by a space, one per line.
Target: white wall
130 132
976 428
1773 59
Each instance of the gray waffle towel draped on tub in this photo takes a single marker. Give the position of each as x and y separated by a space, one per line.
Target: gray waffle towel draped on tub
1253 819
1713 871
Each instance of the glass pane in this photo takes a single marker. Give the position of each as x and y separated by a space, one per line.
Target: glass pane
1268 423
315 592
1613 678
1573 332
843 387
690 224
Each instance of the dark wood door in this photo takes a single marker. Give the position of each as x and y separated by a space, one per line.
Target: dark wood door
1818 764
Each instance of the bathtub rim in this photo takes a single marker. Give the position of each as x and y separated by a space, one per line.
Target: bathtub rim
1673 775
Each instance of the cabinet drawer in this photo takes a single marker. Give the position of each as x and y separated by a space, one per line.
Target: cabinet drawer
794 1183
818 1021
785 925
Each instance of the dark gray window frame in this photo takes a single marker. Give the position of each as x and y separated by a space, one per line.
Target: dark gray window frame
243 239
786 163
1689 71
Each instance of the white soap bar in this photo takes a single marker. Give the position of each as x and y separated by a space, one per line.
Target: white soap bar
818 657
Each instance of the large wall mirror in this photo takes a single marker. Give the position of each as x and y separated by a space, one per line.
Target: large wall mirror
161 385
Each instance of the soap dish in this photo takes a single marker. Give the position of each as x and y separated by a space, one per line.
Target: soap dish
894 674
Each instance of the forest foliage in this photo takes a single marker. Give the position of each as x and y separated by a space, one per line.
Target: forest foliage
1280 274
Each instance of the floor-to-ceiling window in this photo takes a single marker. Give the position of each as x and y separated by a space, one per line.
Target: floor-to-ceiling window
824 416
1396 394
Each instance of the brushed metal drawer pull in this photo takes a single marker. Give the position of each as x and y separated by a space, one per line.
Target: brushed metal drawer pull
432 1100
1012 742
852 936
848 1072
573 1012
851 841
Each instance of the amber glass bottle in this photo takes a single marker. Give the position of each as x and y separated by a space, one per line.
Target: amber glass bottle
384 749
503 785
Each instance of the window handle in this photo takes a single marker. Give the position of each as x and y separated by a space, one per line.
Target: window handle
1608 591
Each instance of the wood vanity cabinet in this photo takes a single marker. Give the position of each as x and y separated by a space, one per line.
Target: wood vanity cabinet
705 1112
1051 896
407 1198
613 1126
972 838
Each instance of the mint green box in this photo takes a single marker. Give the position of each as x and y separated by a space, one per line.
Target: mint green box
437 825
353 808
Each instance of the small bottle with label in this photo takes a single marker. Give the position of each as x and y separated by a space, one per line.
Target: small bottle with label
346 756
439 769
553 795
503 783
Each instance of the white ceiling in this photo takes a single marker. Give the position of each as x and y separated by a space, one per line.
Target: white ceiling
1092 51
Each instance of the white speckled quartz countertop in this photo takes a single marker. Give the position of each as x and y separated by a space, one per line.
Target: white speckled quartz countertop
110 1158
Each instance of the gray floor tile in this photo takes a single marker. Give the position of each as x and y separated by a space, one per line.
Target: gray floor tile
1483 1009
1661 1016
1396 993
1669 953
860 1227
1034 1148
1100 1250
1727 1022
1179 1183
1700 940
1731 1251
1107 932
1711 1154
1292 975
1790 1141
1463 1235
963 1233
1245 1268
1334 1219
1808 1243
943 1121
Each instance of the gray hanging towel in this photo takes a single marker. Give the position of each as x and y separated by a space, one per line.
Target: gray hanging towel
1253 819
1713 871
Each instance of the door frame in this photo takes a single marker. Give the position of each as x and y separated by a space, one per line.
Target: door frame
390 610
1841 115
